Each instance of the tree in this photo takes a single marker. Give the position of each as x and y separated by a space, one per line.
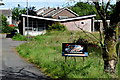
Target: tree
83 8
4 27
17 11
4 20
86 8
109 37
110 10
31 11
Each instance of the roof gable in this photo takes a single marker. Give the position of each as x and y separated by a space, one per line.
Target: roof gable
50 12
67 10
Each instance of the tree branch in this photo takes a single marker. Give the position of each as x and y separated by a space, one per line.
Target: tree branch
101 38
107 5
87 32
100 12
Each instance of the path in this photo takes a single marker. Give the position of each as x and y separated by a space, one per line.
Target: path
13 66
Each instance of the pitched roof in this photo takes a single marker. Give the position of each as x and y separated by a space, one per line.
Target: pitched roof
47 11
52 12
41 9
44 11
64 9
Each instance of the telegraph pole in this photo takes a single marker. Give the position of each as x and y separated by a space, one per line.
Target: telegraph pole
27 22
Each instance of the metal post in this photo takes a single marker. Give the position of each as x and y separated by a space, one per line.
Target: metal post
65 58
27 21
83 60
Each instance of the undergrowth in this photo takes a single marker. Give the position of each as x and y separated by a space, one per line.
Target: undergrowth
46 52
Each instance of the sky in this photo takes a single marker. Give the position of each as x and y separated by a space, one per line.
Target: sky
9 4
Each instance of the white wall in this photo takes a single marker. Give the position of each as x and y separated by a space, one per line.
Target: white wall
9 19
82 24
34 33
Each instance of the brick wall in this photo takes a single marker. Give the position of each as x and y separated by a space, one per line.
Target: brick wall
83 24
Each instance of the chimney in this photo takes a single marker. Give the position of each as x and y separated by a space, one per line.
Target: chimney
58 7
48 7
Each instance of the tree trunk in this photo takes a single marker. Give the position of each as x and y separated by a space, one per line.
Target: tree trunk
110 56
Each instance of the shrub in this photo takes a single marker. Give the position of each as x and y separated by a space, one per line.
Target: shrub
45 51
19 37
7 29
4 20
57 26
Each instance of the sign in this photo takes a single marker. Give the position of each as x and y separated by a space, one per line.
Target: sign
74 49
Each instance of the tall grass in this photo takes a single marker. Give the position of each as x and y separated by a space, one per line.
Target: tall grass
45 51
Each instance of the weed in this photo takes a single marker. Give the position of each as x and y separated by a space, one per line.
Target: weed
45 51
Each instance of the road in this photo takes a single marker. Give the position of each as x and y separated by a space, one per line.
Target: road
13 66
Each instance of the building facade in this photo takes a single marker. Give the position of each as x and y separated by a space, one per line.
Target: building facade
8 14
36 25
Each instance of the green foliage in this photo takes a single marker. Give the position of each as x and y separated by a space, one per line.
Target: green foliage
31 11
17 11
4 27
4 20
83 9
7 29
57 26
45 51
19 37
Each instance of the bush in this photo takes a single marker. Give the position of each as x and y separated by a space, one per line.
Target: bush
19 37
57 26
45 51
4 20
6 29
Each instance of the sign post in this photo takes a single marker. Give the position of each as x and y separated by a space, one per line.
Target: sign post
74 50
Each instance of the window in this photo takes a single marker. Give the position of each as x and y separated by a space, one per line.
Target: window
82 22
62 17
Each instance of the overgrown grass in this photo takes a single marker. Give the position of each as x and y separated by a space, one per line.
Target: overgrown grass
46 52
20 37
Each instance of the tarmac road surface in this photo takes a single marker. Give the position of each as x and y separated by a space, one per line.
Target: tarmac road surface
13 67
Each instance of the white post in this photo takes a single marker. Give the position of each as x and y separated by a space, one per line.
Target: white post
93 24
23 25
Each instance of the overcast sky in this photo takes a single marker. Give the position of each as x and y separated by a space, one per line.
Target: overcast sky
40 3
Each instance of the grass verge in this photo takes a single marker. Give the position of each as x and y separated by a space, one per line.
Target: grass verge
45 51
